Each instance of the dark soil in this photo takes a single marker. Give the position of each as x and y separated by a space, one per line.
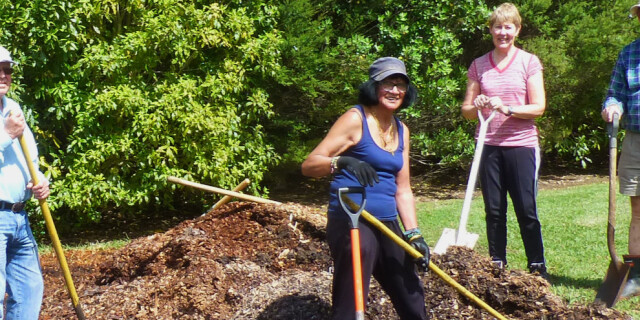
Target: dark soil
250 261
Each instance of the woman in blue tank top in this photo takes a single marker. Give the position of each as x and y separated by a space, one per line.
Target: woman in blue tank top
369 146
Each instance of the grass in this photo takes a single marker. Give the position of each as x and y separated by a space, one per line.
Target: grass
102 245
573 223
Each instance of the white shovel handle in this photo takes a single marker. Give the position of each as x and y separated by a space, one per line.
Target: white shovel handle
473 175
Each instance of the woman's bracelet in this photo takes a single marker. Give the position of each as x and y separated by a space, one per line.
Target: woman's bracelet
334 164
412 233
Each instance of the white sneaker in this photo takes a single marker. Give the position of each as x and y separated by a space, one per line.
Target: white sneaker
631 288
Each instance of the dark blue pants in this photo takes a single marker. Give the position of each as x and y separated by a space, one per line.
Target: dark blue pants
512 170
382 258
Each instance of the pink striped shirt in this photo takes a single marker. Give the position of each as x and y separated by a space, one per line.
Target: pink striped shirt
510 84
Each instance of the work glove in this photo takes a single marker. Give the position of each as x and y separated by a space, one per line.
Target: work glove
415 239
363 171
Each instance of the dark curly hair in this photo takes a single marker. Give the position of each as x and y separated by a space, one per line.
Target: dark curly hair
368 94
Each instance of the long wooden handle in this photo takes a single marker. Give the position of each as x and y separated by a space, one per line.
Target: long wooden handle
53 234
220 191
416 254
613 159
226 199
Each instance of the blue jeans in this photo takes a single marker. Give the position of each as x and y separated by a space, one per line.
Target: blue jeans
20 273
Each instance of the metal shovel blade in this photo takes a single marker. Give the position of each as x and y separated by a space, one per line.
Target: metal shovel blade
613 283
453 237
447 239
467 240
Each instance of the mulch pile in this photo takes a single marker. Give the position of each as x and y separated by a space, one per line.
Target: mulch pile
253 261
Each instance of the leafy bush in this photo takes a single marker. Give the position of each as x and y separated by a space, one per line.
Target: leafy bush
146 90
578 43
327 59
122 94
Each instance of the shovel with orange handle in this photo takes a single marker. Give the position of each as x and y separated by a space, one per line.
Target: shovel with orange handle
355 246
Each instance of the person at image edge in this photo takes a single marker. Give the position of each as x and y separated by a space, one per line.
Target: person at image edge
623 98
20 274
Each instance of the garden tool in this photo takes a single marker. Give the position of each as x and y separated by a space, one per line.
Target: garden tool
226 199
221 191
417 255
618 271
53 234
461 237
355 245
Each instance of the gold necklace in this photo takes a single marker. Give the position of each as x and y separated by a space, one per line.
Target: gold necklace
387 136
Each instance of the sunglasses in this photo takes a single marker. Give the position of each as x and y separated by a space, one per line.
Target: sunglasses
389 85
7 70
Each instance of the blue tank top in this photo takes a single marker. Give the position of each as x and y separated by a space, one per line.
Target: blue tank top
381 198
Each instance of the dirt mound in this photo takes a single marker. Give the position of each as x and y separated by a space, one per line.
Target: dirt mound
250 261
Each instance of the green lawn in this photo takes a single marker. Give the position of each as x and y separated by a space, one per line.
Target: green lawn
573 222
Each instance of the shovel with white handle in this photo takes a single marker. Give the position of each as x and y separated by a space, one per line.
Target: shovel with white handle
460 237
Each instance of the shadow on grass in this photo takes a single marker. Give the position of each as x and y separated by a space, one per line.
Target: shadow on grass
578 283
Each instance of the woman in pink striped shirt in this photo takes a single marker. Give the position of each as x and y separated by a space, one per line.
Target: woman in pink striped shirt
509 81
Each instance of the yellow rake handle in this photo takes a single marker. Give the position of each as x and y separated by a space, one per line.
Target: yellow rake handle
416 254
53 234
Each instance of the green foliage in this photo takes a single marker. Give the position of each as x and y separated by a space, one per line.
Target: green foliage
131 91
429 36
122 94
330 45
578 43
446 147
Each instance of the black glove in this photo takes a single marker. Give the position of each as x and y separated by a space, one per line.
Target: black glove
415 239
365 173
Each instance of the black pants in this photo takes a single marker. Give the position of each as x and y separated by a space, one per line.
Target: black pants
382 258
513 170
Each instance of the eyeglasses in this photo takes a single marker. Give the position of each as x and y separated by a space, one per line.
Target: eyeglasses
388 86
7 70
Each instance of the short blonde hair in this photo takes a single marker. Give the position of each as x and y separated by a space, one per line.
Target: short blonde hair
506 12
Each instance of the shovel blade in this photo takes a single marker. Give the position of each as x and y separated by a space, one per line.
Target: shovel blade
467 240
450 237
613 283
447 239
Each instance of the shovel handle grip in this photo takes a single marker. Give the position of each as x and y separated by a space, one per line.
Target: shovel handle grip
488 119
353 215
